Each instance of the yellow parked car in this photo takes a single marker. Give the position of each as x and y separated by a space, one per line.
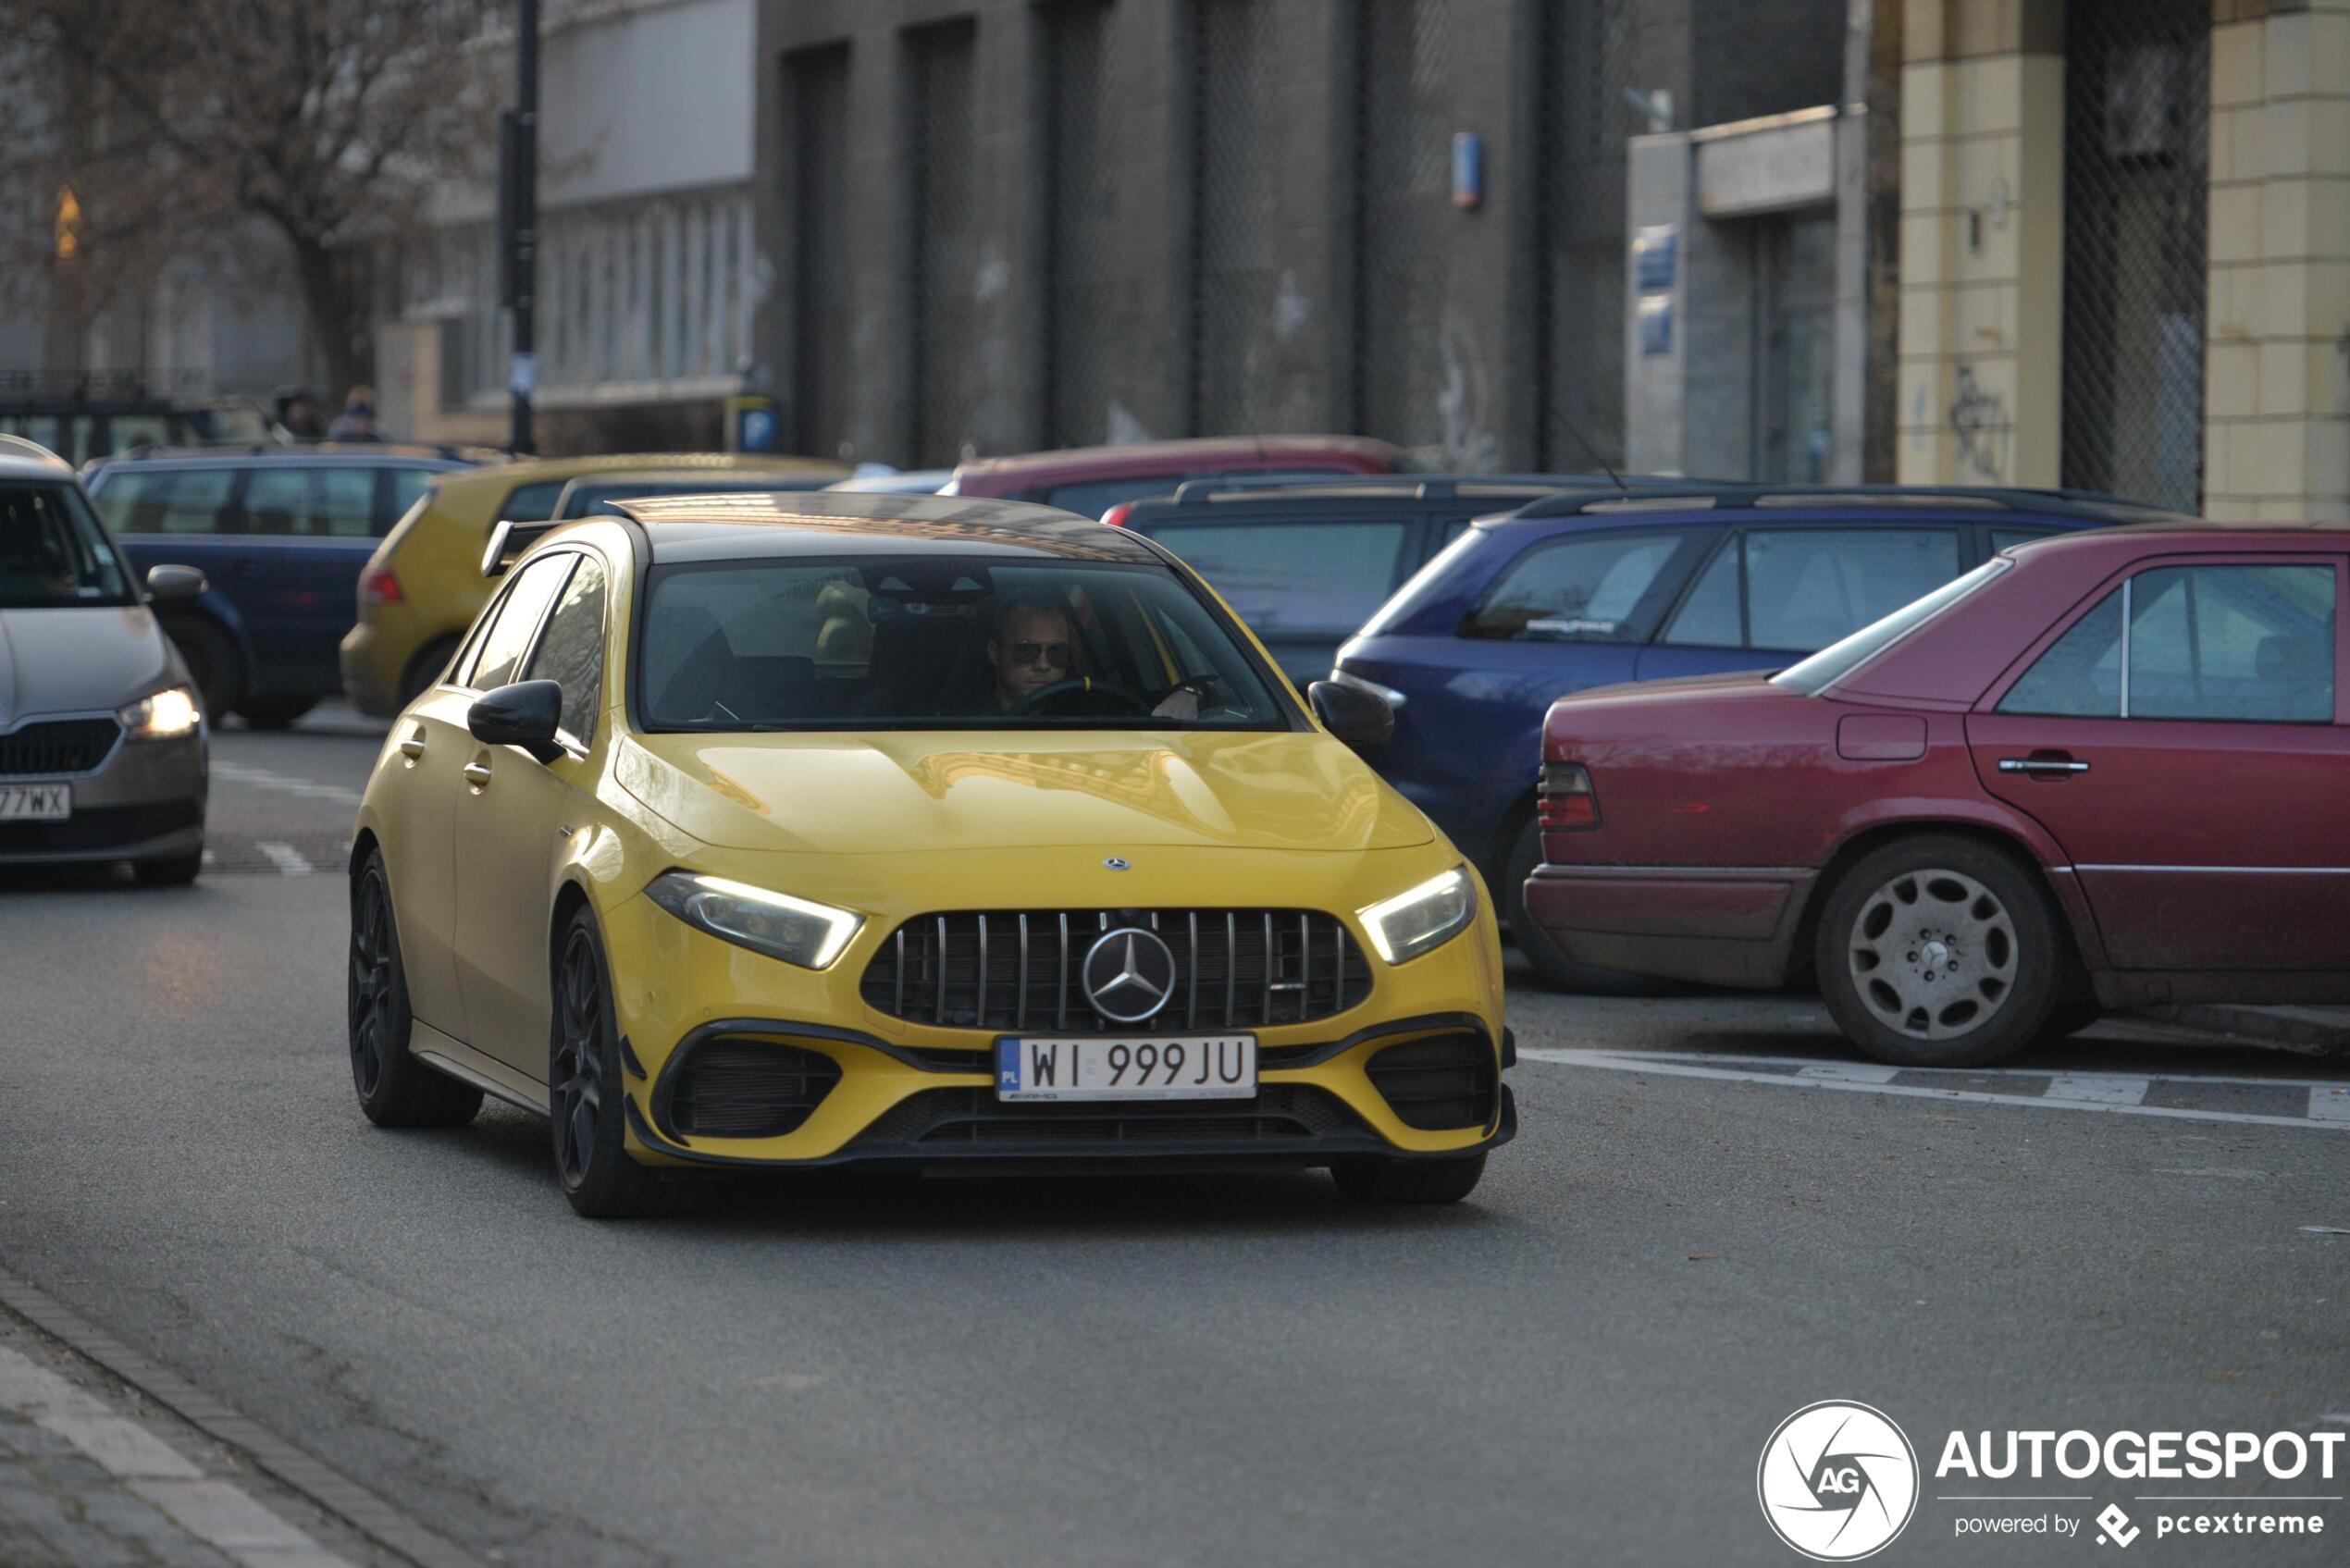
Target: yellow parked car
819 829
422 585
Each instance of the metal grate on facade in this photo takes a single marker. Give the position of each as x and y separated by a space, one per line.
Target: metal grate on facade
816 84
2137 141
942 287
1403 156
1235 218
1586 49
1087 238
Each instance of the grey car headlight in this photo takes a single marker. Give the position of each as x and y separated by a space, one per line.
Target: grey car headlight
794 930
1407 925
161 715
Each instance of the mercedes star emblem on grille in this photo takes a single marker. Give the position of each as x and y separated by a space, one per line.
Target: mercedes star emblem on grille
1119 863
1129 974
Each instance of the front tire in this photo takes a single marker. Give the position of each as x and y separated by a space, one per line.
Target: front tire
1370 1179
1939 951
395 1088
213 663
276 712
590 1146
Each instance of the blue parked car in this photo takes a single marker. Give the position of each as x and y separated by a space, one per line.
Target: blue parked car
1578 590
280 535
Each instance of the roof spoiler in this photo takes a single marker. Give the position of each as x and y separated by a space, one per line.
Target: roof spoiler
509 540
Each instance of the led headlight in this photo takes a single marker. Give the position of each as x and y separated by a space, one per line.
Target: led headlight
794 930
1407 925
162 715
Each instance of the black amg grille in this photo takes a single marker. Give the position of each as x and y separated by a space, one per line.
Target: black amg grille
57 745
730 1088
1010 969
973 1117
1444 1083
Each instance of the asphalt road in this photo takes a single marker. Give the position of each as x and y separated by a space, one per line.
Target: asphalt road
1711 1218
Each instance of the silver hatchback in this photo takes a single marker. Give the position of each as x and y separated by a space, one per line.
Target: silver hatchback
101 736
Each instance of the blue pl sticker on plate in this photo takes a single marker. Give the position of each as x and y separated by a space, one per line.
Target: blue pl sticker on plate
1008 1064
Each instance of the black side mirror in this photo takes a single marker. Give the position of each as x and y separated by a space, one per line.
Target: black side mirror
523 714
1358 717
174 585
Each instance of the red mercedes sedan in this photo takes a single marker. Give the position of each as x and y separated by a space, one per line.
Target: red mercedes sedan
2103 770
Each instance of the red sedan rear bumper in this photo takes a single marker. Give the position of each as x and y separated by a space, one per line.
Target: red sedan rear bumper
1718 925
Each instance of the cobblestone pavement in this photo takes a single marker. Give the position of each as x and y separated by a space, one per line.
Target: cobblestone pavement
86 1482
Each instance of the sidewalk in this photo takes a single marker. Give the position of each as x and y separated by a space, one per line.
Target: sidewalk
2315 1031
82 1484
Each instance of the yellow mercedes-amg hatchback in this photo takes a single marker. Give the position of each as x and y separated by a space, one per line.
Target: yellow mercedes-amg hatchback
812 829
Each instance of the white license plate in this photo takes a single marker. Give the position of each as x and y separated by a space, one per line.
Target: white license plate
1191 1067
35 803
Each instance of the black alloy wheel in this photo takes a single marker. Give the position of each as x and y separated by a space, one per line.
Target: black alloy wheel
212 665
586 1092
395 1088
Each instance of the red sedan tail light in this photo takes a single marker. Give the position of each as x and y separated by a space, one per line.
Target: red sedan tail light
1564 801
377 585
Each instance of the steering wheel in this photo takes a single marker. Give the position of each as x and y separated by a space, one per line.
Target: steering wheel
1080 685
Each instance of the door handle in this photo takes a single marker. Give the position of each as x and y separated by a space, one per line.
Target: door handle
478 774
412 748
2056 766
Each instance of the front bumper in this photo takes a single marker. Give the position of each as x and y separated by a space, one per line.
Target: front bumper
1314 1106
906 1091
1734 926
145 802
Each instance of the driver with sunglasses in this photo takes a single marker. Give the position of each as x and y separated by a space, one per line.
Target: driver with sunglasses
1031 644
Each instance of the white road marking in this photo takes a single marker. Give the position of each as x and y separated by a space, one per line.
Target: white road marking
1622 1062
2103 1089
2331 1102
219 1513
285 858
1849 1072
1737 1059
285 783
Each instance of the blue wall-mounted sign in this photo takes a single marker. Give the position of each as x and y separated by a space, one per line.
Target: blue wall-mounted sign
1468 170
1655 252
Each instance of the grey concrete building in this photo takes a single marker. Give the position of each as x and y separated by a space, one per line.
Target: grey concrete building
994 225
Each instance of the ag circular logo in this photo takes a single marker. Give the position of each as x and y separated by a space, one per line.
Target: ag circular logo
1838 1481
1129 974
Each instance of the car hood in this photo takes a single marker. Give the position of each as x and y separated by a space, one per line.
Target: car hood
926 791
77 658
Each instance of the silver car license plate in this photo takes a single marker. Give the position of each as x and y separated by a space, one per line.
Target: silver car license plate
35 803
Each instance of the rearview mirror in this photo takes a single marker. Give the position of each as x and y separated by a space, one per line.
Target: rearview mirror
174 585
1354 715
523 714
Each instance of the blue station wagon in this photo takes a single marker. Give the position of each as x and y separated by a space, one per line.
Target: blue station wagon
1577 591
281 536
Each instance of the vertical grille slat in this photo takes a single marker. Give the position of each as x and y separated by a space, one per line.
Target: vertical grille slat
940 970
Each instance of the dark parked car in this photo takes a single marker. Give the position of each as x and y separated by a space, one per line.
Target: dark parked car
281 534
1578 590
1093 479
1305 564
594 494
2104 771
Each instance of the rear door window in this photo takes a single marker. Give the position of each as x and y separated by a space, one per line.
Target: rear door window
1296 578
346 504
186 501
1800 590
1578 588
277 501
408 486
2232 642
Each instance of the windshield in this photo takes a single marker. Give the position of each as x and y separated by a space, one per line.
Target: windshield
924 642
1838 659
53 554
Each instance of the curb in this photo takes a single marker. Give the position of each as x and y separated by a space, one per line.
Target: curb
2314 1031
323 1485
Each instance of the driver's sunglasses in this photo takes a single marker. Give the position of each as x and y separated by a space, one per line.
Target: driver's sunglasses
1058 653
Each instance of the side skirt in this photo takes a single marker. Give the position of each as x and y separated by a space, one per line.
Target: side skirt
445 1054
